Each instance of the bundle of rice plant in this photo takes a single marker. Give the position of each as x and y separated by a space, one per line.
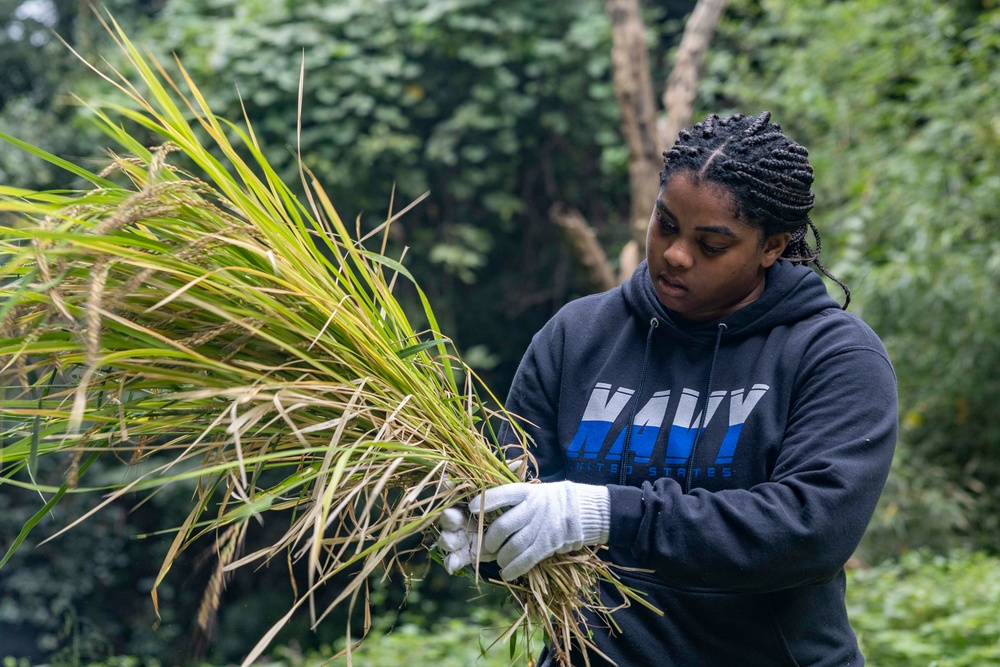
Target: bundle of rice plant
204 318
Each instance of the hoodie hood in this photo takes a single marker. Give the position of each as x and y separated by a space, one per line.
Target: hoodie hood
792 292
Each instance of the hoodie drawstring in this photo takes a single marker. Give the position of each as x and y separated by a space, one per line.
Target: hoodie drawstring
622 475
704 410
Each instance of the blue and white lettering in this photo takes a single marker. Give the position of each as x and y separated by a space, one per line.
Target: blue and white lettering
602 410
739 409
686 423
606 405
645 429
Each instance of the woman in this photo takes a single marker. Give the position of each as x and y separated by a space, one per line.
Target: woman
717 420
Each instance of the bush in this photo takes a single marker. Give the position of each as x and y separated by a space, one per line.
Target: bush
480 641
925 609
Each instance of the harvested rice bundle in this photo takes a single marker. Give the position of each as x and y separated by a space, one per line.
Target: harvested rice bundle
217 325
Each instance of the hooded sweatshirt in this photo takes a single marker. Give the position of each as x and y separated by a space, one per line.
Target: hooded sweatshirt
740 514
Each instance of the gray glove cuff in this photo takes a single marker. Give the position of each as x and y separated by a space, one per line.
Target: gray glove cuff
595 513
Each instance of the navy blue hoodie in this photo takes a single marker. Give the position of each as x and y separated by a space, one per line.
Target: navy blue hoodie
745 524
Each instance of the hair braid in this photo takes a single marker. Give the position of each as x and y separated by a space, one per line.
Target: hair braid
768 174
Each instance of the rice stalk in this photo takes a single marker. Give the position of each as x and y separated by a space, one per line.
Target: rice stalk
219 328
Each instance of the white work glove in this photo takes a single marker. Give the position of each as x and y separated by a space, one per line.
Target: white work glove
459 540
543 519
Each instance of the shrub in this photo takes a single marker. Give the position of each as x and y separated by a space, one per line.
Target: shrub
925 609
481 640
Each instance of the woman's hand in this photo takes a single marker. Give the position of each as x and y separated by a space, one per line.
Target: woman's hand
459 540
542 519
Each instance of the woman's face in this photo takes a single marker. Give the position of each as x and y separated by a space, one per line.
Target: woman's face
705 262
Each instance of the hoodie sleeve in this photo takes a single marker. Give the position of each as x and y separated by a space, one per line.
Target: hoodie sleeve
800 526
533 401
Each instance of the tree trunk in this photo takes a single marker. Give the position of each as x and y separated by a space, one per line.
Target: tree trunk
682 85
634 91
645 136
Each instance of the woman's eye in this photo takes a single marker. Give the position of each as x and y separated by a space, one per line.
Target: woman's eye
711 249
665 225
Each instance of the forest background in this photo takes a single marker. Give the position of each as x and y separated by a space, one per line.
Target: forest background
503 111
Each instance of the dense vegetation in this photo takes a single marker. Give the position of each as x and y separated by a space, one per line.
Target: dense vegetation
501 109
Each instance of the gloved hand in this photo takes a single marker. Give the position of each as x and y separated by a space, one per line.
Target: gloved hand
459 540
543 519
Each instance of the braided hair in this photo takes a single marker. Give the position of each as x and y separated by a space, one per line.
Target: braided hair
768 174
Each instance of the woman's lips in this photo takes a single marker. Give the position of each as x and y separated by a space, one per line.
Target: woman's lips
672 287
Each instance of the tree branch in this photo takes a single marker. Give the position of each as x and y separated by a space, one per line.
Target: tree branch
682 85
645 136
634 91
585 246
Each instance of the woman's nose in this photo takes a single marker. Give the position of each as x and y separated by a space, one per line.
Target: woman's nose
677 255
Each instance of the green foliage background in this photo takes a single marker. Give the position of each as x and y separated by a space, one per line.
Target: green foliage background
500 110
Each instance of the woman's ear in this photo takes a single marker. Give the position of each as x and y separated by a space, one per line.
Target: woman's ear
774 245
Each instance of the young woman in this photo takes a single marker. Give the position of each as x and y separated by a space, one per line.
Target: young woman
718 420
